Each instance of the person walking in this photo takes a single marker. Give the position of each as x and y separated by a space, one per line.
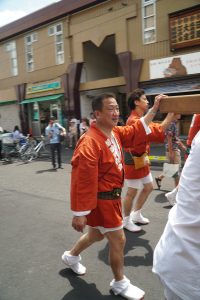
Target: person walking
173 152
137 170
54 131
194 128
96 183
176 258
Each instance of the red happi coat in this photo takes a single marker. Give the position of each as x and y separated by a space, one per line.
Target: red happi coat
94 170
157 135
194 128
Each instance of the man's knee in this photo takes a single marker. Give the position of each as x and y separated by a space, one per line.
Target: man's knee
148 188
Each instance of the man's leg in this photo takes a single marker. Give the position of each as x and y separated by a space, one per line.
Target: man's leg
59 155
116 240
93 235
128 204
142 198
72 258
120 285
53 155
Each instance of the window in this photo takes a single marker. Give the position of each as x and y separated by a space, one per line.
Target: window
149 21
29 40
57 31
11 49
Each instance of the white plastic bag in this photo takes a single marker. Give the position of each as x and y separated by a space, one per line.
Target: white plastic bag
169 170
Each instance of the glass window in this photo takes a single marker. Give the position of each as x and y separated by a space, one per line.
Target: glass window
29 40
11 49
149 21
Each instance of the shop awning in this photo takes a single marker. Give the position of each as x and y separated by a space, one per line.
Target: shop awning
41 99
8 102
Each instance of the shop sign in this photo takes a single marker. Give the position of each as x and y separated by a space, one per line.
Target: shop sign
43 87
175 66
184 28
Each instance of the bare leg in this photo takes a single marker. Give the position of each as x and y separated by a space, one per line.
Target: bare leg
148 187
93 235
116 240
128 200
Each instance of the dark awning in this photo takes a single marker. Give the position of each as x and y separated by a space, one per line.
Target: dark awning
8 102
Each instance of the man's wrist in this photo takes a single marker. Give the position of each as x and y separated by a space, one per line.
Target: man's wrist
152 111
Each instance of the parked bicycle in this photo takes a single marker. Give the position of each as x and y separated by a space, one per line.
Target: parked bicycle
36 150
14 149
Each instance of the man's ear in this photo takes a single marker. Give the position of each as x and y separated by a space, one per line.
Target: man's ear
136 102
96 114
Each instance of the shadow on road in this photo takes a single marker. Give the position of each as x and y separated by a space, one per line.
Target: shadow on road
81 289
132 242
46 170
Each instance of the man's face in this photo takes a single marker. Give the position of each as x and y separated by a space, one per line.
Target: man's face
143 103
109 115
51 122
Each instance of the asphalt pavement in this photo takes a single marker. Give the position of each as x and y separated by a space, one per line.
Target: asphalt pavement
35 229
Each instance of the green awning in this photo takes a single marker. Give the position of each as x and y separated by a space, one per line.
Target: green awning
40 99
8 102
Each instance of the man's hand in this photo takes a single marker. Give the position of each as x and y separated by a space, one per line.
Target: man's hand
79 223
157 101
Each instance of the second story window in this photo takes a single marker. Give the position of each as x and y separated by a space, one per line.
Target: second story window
29 40
149 21
57 31
11 49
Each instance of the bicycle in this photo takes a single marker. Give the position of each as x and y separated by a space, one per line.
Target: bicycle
35 150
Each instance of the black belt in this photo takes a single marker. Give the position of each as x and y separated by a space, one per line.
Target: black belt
111 195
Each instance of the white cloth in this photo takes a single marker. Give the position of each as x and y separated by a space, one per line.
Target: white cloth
139 183
177 254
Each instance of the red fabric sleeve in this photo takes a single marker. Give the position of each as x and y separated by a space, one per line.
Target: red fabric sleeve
84 177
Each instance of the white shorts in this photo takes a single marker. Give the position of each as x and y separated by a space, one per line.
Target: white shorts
104 230
138 184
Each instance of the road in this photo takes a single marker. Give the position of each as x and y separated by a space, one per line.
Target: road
35 229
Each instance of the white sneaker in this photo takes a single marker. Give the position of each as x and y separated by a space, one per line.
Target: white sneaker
73 262
127 290
130 226
171 197
137 217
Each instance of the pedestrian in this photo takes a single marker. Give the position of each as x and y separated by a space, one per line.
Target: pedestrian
96 183
54 131
177 255
173 152
138 176
73 132
194 128
1 132
17 134
84 126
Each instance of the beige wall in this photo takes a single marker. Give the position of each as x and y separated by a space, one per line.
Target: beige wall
160 48
9 116
94 24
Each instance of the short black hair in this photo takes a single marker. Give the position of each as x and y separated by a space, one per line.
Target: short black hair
97 102
133 96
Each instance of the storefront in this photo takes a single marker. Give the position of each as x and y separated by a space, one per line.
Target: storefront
43 105
177 75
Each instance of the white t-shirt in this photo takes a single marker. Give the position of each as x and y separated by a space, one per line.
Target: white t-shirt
177 254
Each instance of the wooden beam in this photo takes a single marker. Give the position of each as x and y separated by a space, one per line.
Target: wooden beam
185 104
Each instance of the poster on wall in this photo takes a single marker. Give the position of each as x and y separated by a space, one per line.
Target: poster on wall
173 66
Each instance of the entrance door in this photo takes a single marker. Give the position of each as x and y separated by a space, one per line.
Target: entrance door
55 110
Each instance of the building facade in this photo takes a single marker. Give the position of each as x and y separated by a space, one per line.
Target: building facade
54 61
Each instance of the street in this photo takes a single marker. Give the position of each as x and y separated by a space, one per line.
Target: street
35 229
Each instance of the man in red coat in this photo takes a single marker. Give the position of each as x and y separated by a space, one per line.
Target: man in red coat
139 178
96 183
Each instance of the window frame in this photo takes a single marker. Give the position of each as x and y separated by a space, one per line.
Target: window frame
145 4
11 48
